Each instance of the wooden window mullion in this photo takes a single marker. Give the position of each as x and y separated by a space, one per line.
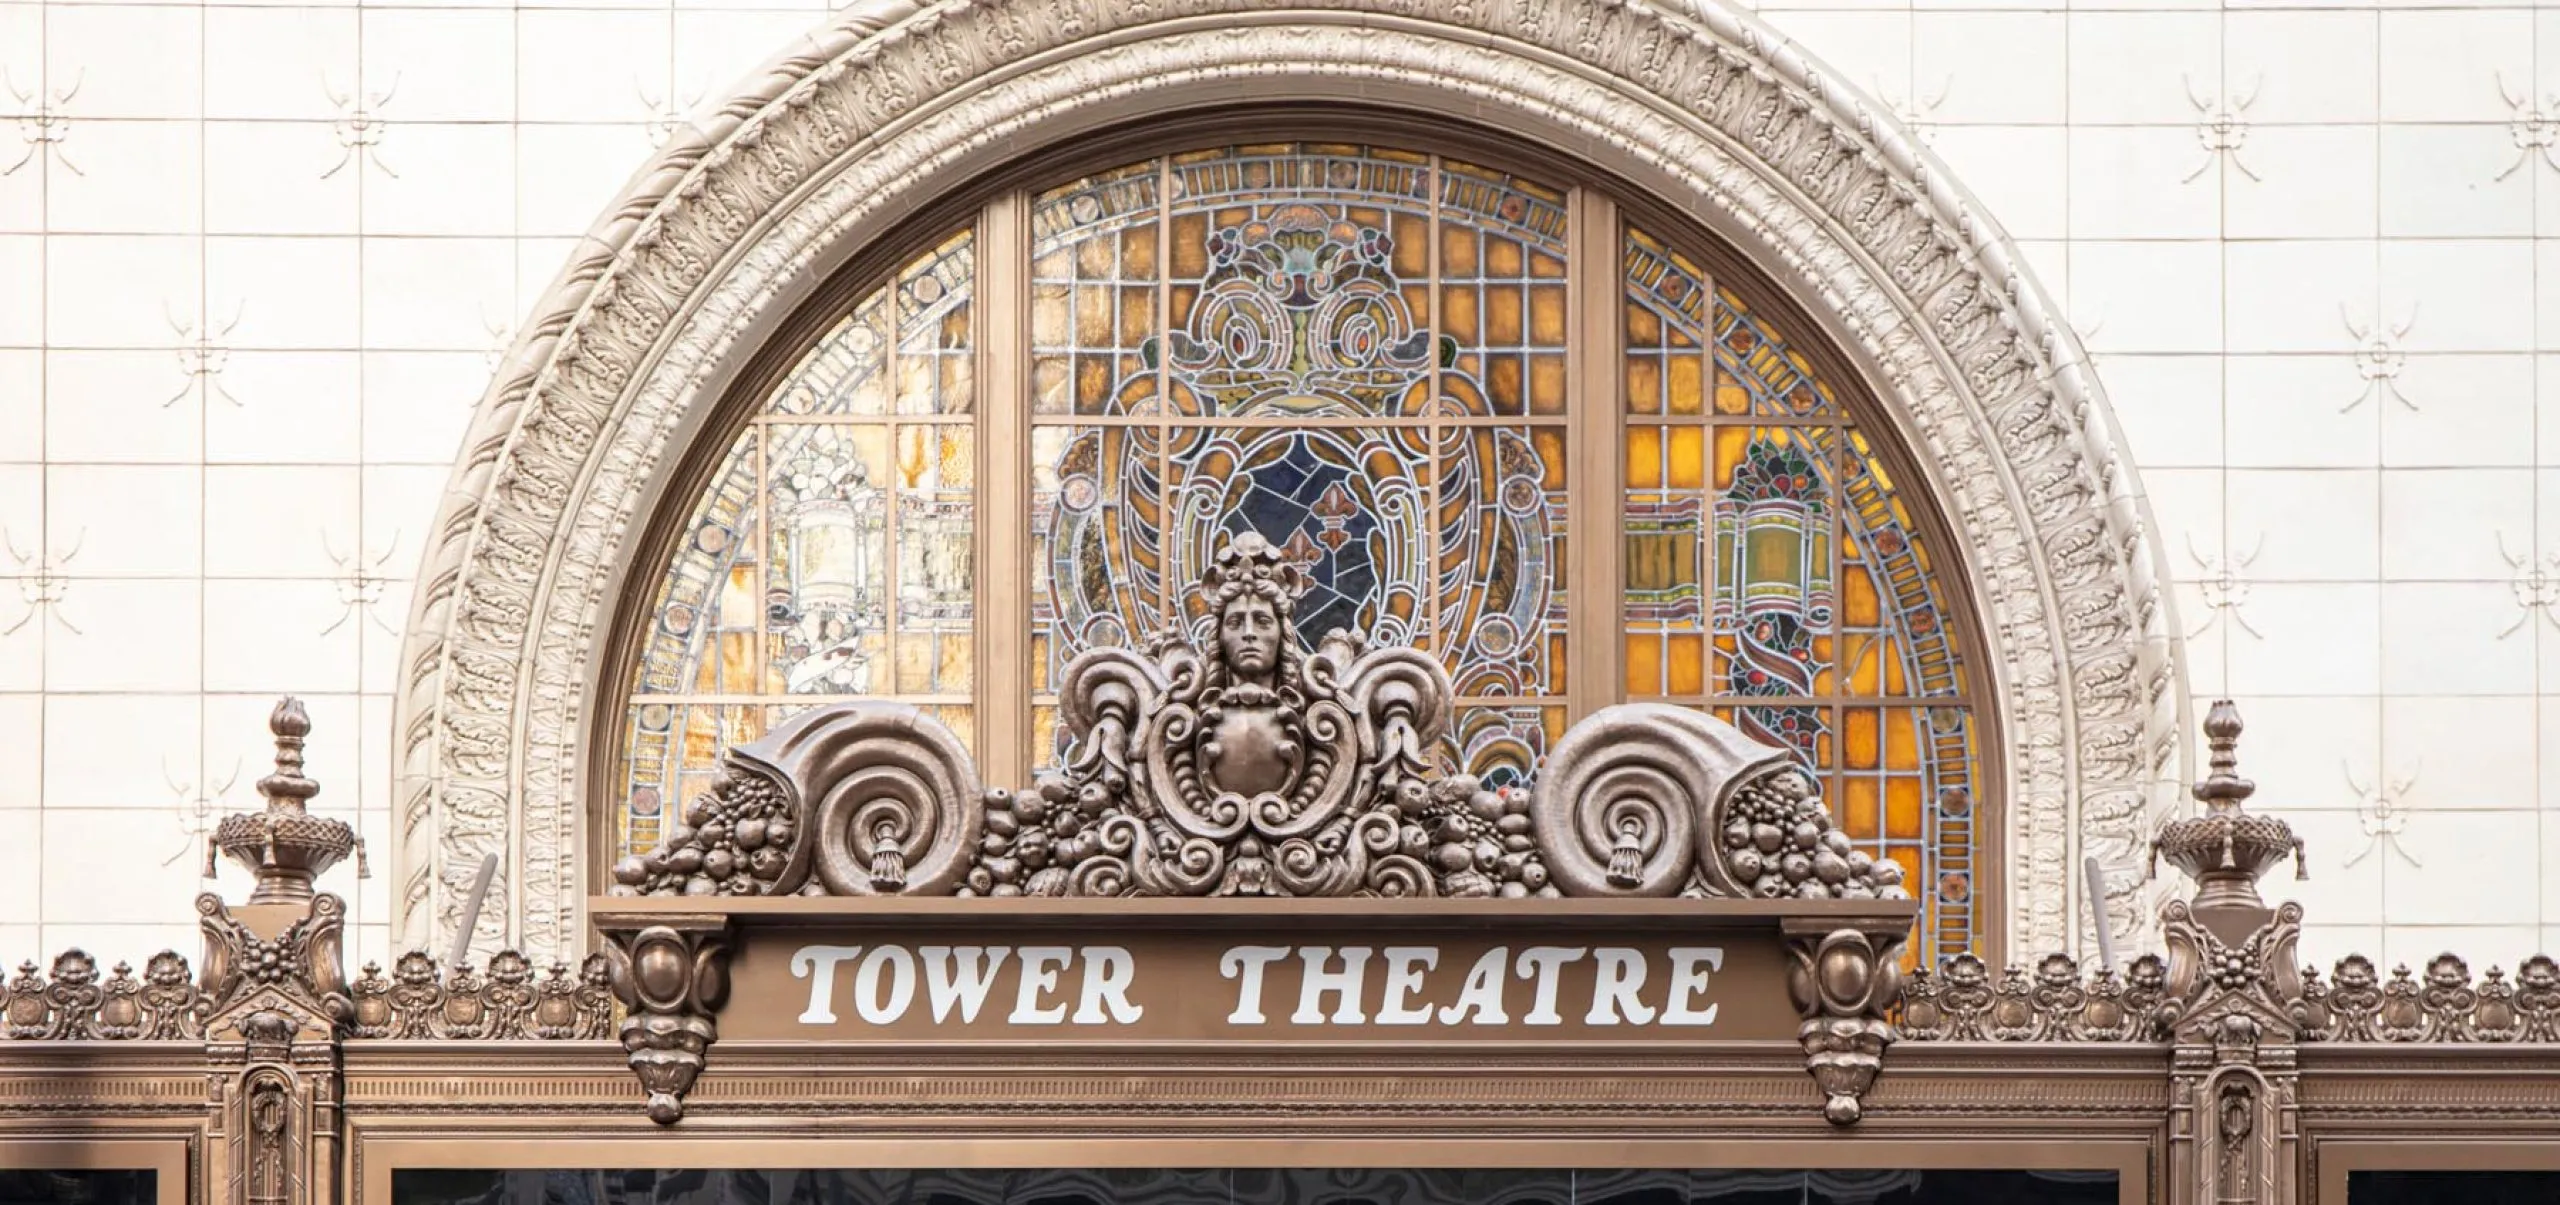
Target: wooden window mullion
1594 552
1003 680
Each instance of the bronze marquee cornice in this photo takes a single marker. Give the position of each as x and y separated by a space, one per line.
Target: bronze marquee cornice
2223 1071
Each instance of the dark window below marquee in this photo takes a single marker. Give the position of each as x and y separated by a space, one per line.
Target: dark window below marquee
83 1187
1255 1186
2453 1188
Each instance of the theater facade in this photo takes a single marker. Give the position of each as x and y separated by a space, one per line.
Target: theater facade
1174 601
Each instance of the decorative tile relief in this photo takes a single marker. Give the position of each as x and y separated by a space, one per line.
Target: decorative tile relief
44 124
2534 127
2225 589
2222 128
2537 590
41 587
2378 358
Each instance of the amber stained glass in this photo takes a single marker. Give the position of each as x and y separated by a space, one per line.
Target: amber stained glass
1774 576
833 553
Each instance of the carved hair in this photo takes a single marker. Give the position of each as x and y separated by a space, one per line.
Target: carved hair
1250 565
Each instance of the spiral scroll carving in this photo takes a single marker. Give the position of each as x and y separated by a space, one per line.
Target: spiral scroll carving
865 798
1647 799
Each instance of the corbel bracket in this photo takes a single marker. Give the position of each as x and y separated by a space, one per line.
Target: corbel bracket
671 976
1844 981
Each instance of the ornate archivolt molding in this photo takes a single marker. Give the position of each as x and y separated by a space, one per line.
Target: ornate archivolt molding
900 100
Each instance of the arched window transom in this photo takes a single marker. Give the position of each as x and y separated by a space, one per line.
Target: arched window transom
1437 386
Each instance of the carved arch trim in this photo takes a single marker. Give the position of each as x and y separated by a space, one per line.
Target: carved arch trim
829 147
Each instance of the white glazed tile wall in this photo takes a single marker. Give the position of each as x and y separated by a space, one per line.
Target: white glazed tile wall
256 259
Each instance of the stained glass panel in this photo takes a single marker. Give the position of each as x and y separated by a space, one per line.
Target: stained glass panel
1356 351
833 553
1361 354
1774 576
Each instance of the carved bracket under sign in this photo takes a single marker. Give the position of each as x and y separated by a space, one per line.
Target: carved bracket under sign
1634 973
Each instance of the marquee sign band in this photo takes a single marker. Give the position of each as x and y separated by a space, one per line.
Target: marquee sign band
1152 970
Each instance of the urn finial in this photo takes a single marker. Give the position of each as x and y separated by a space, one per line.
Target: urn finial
2227 849
285 846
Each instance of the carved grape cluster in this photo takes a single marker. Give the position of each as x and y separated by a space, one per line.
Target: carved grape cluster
1482 840
1779 842
1034 839
733 840
2232 970
264 961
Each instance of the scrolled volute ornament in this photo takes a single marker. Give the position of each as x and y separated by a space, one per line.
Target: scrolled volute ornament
865 798
1648 799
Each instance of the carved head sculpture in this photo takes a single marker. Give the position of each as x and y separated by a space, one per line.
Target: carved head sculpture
1252 591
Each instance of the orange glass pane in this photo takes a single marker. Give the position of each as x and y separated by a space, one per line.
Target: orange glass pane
1457 250
1547 315
1687 457
1503 319
1546 384
1862 747
1901 739
1685 663
1859 808
1458 317
1730 443
1858 605
1643 328
1902 809
1644 385
1550 444
1644 457
1644 664
1731 397
1686 384
1864 678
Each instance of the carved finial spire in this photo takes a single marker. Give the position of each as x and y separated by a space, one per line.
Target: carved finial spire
286 790
2226 849
285 846
2223 790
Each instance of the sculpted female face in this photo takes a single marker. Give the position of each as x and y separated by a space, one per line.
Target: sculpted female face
1249 636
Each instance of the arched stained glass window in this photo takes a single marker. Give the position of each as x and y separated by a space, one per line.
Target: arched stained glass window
832 554
1436 385
1774 577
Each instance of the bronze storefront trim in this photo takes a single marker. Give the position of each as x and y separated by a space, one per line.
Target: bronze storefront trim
2129 1162
1656 958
